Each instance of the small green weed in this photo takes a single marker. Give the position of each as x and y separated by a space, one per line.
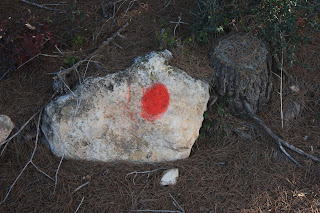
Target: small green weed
217 129
70 61
77 39
166 39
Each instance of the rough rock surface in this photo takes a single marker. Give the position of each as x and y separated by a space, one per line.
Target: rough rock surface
6 126
150 112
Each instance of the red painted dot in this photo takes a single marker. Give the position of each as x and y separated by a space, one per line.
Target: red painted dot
155 102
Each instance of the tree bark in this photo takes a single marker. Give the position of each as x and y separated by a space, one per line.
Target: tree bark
242 65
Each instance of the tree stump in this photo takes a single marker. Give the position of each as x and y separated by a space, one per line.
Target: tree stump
242 65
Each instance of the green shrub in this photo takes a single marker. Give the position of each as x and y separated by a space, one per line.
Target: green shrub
215 17
280 22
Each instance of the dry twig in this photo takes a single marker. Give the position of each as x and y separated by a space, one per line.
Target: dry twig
17 133
106 42
277 139
79 205
30 161
79 187
144 172
166 5
61 75
110 15
40 54
23 126
56 175
41 6
281 86
175 203
177 23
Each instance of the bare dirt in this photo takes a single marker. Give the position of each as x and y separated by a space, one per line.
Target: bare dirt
225 172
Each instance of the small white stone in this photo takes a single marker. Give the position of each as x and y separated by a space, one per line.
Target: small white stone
6 126
169 177
294 88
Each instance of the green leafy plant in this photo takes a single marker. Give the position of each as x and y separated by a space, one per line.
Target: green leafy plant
216 129
215 17
281 23
70 61
187 40
77 39
166 39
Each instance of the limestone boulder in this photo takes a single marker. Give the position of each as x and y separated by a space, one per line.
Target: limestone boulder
150 112
6 126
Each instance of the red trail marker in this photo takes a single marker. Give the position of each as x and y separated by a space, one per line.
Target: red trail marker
155 102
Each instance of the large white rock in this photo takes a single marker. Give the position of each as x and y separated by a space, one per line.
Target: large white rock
6 126
150 112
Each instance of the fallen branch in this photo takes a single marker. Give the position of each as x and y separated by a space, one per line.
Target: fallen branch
118 33
277 139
